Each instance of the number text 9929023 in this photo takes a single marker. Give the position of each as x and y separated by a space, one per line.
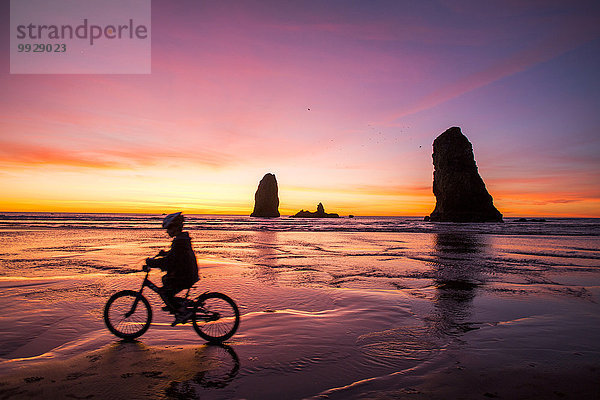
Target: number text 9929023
42 48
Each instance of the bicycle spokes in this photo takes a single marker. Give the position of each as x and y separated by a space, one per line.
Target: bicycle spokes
216 317
133 308
125 317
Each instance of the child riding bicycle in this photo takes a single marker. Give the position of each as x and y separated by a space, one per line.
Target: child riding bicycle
179 263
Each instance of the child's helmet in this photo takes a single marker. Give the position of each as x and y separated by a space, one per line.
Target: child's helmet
173 219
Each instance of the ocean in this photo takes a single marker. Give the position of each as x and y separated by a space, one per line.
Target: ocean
337 307
511 226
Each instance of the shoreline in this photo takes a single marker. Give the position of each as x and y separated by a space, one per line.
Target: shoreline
503 352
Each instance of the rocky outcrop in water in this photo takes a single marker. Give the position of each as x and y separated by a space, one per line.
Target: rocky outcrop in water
461 195
320 213
266 198
530 220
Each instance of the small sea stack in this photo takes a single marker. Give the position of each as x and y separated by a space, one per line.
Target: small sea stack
320 213
266 198
530 220
461 195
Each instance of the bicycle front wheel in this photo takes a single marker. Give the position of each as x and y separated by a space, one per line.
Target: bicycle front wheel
216 317
125 317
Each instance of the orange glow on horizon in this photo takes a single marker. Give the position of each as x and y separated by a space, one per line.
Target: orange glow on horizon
197 188
293 200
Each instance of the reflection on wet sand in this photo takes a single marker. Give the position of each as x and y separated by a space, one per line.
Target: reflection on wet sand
129 370
224 366
265 243
459 262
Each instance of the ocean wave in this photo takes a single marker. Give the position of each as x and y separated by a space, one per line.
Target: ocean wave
550 226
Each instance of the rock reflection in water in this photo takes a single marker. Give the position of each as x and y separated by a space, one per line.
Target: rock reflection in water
265 243
459 262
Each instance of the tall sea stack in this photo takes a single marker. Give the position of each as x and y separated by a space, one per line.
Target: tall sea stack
460 193
266 199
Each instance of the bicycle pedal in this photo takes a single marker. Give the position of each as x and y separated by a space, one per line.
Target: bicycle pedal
180 321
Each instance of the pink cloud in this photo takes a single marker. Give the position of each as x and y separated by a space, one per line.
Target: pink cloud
19 154
23 154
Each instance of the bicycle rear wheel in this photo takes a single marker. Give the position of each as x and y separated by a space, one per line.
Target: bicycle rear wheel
216 317
124 321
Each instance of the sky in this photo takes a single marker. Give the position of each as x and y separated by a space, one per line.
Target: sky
341 100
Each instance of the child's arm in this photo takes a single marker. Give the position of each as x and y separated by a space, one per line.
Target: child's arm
158 261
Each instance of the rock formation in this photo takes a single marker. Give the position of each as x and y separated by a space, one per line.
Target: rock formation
530 220
320 213
460 193
266 198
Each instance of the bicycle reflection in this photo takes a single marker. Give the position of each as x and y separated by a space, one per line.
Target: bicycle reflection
185 372
220 365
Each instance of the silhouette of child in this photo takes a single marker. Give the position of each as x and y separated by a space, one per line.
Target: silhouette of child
179 263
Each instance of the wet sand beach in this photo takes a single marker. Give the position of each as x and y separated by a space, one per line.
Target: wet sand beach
324 315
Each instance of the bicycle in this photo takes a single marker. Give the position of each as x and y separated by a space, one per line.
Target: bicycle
215 316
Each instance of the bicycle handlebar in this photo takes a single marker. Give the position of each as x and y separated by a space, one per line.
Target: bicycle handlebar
146 267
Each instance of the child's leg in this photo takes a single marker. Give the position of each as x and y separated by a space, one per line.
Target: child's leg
167 295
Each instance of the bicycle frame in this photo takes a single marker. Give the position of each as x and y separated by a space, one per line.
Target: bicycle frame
147 282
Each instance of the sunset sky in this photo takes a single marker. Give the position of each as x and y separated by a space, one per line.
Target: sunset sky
341 100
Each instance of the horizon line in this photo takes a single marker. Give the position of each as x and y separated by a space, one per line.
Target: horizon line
345 216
